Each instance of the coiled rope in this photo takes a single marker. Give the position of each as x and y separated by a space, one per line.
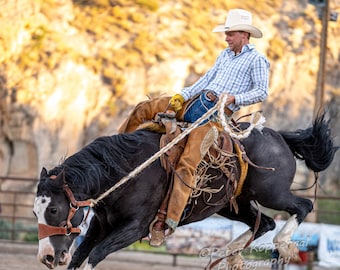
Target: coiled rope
220 104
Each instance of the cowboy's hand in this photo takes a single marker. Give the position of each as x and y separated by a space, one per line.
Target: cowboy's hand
228 98
176 102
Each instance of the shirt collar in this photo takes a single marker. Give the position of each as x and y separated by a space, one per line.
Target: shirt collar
245 48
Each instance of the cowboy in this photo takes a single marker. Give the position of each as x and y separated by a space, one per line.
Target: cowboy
240 72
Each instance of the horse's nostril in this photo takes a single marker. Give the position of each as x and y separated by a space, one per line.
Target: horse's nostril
49 259
62 258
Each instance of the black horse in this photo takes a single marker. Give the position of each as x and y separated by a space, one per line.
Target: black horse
124 216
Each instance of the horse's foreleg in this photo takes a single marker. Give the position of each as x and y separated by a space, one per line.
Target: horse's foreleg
122 235
94 234
282 241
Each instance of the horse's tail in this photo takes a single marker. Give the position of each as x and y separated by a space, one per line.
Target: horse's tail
314 145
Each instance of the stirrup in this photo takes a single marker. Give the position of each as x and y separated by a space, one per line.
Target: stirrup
156 236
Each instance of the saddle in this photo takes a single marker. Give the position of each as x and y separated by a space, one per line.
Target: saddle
215 142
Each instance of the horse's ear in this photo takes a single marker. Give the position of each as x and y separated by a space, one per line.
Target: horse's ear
59 179
43 173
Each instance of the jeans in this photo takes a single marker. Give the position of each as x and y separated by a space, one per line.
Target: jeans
198 107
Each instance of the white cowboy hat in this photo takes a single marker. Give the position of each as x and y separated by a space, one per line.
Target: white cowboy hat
239 20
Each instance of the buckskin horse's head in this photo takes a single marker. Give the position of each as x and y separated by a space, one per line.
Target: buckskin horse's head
58 219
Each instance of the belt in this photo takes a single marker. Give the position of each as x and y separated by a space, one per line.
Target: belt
211 95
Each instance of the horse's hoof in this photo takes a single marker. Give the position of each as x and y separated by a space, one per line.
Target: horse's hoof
290 253
294 253
157 238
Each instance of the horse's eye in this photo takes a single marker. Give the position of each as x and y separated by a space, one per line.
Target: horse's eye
35 214
53 210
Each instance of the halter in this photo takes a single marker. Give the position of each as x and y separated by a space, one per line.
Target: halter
66 226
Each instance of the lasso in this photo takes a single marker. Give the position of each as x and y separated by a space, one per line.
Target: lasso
220 104
257 121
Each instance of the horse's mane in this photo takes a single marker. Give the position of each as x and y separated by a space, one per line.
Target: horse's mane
105 161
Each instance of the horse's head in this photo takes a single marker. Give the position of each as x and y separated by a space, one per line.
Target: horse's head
58 219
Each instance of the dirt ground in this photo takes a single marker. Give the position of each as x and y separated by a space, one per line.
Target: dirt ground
23 257
29 262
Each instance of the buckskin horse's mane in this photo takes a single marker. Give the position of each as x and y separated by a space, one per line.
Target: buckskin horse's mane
102 163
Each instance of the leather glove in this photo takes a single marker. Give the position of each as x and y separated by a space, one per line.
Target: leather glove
176 102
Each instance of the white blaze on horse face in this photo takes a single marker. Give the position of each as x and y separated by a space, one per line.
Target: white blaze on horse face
45 247
40 206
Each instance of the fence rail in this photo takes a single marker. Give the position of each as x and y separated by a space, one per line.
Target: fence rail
18 223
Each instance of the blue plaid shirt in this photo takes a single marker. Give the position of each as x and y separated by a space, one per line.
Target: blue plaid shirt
245 76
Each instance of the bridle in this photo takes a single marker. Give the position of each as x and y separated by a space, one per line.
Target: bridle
65 227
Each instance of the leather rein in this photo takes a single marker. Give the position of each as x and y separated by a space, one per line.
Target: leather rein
65 227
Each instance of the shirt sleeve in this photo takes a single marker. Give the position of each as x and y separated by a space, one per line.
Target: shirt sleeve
201 83
260 78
